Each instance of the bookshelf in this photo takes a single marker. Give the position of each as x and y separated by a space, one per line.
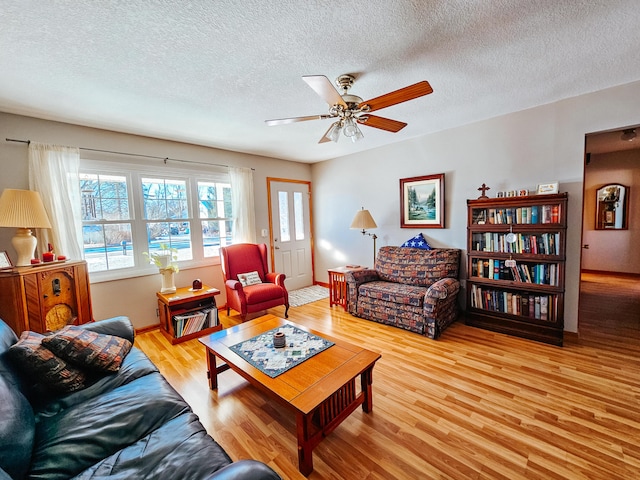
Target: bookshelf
516 265
188 314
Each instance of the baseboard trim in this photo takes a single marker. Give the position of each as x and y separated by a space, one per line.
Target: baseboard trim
606 272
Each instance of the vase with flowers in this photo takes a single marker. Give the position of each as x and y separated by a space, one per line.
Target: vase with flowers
166 261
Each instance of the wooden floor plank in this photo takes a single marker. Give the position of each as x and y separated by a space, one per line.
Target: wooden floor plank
474 404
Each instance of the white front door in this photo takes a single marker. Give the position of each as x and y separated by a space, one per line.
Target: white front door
290 219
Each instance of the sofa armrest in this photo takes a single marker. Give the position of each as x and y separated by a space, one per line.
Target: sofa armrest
354 279
443 288
245 470
118 326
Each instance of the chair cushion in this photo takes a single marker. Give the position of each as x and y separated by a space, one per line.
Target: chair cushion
17 429
157 455
85 348
262 292
40 363
394 292
78 437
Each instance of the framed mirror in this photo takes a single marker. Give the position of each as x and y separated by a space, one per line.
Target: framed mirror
611 207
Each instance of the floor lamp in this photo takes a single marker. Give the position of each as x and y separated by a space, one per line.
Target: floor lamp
364 221
23 209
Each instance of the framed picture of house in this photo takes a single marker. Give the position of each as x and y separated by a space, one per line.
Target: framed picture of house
5 261
422 202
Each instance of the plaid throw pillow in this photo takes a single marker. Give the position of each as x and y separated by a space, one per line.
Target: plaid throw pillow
88 349
417 242
40 363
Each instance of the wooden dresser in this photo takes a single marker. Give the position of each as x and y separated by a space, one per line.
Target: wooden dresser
45 297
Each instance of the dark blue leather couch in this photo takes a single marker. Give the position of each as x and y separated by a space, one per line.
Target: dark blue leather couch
127 425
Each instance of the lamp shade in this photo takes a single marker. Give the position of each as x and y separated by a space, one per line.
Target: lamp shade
22 209
363 220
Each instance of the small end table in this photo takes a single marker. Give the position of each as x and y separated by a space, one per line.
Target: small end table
338 285
188 302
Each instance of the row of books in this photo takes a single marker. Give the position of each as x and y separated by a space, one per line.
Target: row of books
521 215
547 243
195 321
539 307
495 269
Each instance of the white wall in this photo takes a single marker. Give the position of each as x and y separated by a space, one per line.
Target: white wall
133 297
520 150
612 250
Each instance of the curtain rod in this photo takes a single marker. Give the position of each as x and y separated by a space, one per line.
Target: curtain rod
165 159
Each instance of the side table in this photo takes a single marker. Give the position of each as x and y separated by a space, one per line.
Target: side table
338 285
188 313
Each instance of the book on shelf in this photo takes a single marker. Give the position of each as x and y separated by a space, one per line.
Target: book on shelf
538 307
530 215
193 322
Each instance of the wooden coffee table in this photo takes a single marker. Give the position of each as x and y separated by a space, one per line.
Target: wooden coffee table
322 390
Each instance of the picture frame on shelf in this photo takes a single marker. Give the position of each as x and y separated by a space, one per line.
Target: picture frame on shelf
5 261
547 188
422 201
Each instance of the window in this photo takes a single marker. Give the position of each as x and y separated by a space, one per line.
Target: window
126 214
106 221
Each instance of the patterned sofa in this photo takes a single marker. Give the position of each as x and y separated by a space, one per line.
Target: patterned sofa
409 288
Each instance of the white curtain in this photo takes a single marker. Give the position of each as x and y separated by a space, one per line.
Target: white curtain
244 215
54 172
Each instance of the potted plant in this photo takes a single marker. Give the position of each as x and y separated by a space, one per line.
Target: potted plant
166 261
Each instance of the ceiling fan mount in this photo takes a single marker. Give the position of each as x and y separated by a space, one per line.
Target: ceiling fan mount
350 110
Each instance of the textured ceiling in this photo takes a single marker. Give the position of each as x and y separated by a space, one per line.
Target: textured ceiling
210 72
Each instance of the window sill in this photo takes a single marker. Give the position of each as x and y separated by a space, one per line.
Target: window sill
126 273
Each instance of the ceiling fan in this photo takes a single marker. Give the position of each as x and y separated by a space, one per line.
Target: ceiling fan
349 110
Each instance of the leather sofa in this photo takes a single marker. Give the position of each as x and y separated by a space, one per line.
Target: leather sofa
130 424
409 288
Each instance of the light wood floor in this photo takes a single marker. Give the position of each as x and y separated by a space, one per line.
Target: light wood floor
474 404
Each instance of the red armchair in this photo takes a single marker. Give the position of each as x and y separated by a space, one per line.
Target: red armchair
261 291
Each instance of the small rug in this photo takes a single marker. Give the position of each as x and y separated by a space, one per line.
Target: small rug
307 295
260 352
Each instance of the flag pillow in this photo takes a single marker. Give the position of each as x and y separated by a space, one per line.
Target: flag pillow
417 242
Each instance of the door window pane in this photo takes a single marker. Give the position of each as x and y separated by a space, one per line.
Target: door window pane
298 213
283 207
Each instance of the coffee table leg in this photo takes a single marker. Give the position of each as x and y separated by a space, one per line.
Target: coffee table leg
367 380
305 447
213 371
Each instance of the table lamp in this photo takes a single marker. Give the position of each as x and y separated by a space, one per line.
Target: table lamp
23 209
363 221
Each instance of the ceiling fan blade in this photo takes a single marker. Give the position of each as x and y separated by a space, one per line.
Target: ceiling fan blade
323 87
284 121
398 96
381 123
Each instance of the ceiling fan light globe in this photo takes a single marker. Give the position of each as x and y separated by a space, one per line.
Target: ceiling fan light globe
350 127
358 136
334 133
